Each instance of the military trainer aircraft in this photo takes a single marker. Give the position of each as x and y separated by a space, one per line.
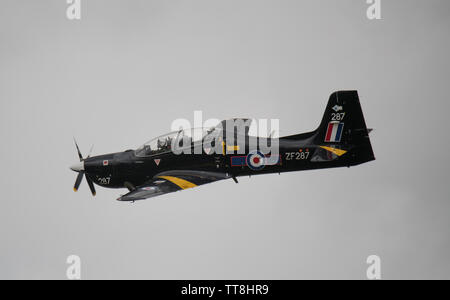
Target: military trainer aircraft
341 140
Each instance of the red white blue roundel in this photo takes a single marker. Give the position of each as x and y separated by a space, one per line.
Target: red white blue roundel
256 160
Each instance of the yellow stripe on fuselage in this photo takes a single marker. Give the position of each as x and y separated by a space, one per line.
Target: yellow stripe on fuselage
183 184
338 152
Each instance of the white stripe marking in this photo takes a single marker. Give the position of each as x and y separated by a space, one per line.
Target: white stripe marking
334 132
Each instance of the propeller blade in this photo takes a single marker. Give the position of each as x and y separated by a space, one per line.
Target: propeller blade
91 186
90 151
78 181
78 150
82 173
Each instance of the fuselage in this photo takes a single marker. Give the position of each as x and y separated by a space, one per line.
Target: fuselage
126 169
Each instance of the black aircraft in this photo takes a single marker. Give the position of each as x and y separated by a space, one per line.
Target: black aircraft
342 140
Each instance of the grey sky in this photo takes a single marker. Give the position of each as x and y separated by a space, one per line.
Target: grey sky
123 73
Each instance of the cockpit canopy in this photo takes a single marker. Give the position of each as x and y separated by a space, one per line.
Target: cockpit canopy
189 137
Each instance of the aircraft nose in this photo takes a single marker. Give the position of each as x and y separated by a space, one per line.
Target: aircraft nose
78 167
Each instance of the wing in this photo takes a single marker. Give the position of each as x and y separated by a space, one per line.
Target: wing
172 181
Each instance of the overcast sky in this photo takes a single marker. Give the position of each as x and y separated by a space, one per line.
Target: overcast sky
127 69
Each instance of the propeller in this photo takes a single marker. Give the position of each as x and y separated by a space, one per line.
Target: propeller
79 167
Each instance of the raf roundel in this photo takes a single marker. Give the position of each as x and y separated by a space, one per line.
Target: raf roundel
256 160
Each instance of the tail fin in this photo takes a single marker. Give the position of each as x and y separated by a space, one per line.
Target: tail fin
343 125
